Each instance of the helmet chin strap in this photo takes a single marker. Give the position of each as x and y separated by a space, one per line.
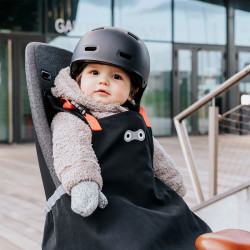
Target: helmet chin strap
130 106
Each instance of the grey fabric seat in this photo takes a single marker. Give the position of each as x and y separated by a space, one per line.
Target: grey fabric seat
42 64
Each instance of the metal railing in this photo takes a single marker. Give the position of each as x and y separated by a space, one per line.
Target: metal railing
179 121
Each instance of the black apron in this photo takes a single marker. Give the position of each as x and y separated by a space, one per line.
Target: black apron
142 212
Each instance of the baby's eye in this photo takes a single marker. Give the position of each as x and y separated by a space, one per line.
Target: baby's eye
117 77
94 72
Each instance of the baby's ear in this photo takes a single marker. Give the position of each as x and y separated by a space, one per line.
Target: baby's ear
136 90
132 93
78 79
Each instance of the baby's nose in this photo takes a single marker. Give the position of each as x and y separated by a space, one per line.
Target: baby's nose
104 81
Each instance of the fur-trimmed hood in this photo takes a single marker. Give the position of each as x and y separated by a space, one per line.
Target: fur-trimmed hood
68 88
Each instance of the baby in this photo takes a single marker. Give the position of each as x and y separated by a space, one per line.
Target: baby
109 159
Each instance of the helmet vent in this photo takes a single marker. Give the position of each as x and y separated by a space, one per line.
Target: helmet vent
125 55
101 28
90 48
134 36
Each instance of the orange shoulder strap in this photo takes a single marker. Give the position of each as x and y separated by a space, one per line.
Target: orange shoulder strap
145 117
93 123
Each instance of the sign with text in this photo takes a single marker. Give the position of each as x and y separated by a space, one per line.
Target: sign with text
62 26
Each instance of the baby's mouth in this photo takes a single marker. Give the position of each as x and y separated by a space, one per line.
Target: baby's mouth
102 91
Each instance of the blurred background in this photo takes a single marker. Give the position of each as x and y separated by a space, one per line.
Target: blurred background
194 45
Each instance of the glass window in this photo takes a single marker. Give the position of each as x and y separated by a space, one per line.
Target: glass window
157 97
244 60
185 77
209 78
146 18
63 42
4 114
242 34
185 82
76 17
25 112
199 22
21 16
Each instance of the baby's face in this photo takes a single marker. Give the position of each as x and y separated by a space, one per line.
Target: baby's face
106 84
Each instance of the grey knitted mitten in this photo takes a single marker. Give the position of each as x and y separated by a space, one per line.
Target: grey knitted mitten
85 197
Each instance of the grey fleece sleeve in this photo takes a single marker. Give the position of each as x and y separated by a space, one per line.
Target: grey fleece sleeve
165 169
74 157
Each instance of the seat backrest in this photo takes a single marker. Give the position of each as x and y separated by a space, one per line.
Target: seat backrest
42 64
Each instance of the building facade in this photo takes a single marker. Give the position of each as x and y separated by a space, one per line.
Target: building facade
194 46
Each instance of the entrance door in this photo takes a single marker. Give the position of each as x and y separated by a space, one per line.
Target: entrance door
198 70
15 115
243 59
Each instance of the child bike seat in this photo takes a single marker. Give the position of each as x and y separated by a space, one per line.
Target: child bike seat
42 64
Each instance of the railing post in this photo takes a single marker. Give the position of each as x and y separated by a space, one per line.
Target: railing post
213 149
189 158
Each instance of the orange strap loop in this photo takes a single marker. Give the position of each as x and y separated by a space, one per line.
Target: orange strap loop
67 104
145 117
93 123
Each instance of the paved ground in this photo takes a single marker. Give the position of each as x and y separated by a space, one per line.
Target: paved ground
22 198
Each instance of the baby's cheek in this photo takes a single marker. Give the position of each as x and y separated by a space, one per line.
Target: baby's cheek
122 98
81 87
86 90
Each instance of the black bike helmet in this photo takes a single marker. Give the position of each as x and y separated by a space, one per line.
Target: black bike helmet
116 47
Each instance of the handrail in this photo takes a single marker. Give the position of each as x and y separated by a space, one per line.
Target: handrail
223 87
183 135
218 197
